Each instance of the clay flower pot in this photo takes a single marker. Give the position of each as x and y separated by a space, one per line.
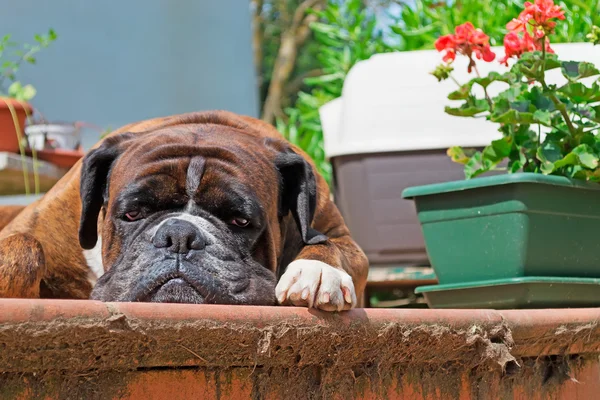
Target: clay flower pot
11 126
56 143
62 158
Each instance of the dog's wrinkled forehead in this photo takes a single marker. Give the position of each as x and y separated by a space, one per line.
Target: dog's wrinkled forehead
183 161
167 170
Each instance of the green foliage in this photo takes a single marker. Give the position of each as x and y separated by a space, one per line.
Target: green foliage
347 33
12 56
421 23
571 145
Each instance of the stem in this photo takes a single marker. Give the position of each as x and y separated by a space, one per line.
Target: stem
487 96
454 80
560 106
18 63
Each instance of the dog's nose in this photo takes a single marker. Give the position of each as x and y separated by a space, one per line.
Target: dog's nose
179 236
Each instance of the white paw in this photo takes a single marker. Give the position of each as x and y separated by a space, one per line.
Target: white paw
311 283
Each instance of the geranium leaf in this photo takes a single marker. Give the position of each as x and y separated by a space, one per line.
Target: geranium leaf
543 117
475 166
462 93
586 155
548 154
580 93
460 155
575 70
497 151
468 110
514 117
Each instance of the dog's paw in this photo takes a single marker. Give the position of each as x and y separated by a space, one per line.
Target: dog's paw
311 283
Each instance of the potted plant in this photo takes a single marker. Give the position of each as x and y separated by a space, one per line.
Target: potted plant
14 96
525 238
58 143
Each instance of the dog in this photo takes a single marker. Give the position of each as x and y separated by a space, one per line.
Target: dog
204 208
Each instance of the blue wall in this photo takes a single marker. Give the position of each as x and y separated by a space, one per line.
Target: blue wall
117 62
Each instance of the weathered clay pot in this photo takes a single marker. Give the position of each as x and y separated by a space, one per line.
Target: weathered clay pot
10 132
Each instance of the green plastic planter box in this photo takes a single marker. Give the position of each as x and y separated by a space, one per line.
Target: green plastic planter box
510 226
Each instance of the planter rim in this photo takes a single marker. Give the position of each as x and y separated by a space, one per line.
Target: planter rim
507 281
15 103
497 180
150 335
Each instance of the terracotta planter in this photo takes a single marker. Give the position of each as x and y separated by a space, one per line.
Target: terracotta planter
60 157
58 349
9 141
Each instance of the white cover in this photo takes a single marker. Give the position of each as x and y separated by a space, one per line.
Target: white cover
66 135
391 103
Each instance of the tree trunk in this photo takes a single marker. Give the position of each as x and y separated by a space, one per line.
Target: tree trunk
291 40
257 39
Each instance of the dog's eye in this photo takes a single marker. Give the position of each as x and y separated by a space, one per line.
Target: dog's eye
133 215
241 222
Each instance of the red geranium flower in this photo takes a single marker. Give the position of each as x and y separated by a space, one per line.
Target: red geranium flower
515 45
446 43
539 16
468 41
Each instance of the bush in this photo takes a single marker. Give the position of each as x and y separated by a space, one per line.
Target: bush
348 33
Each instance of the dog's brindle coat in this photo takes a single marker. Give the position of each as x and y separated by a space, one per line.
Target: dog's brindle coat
197 208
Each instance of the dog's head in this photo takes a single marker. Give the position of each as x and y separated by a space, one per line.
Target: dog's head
193 214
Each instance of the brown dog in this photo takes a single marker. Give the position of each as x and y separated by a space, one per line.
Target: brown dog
195 208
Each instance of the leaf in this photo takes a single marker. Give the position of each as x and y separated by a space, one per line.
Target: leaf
324 28
461 94
414 32
515 166
569 159
497 151
513 92
579 93
493 77
530 64
324 78
596 110
478 165
24 93
552 62
471 107
469 111
548 153
584 111
460 155
14 89
521 106
575 70
586 155
539 100
543 117
474 166
583 155
514 117
52 34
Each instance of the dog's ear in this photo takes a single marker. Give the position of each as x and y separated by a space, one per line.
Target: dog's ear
298 193
93 182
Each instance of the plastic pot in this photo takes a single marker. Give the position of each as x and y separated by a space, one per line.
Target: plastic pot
509 226
58 135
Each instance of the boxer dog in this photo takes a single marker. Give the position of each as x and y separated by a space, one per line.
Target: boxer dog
208 207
